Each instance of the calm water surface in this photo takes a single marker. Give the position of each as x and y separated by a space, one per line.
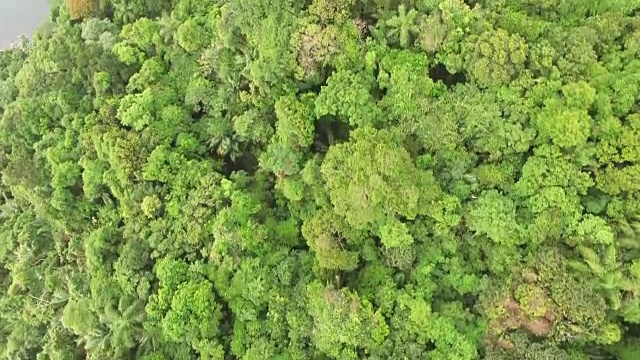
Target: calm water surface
19 17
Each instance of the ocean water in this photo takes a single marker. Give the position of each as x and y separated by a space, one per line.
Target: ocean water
20 17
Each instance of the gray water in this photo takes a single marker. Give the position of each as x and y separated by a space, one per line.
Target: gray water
20 17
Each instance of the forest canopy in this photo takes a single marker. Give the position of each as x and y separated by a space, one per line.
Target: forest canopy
322 179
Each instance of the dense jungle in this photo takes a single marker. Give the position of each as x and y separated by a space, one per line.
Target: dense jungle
324 179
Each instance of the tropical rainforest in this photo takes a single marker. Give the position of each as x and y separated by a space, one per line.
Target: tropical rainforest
322 179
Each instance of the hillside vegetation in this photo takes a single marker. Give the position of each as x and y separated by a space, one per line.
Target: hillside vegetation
325 179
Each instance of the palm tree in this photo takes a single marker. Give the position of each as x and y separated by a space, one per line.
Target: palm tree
629 237
126 12
222 140
403 25
230 146
120 329
168 26
606 270
150 342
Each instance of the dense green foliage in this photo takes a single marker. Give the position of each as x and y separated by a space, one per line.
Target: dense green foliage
329 179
